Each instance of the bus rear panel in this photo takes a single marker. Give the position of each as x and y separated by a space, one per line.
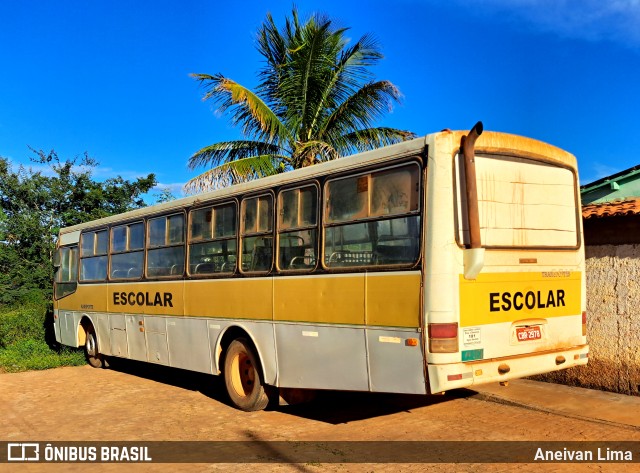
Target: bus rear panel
515 306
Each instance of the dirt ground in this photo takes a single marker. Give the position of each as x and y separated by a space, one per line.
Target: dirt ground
139 402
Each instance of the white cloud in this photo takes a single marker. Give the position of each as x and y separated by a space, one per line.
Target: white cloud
176 188
99 173
593 20
102 173
604 170
598 171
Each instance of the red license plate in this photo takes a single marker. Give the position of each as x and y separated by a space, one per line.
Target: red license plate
525 334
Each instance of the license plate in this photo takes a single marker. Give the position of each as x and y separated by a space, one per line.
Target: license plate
525 334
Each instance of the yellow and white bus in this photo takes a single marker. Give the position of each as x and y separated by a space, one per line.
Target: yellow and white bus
444 262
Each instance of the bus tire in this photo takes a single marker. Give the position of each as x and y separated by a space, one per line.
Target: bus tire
242 377
94 358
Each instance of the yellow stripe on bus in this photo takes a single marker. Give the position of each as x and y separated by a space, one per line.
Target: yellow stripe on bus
380 299
249 298
505 297
88 297
393 301
332 300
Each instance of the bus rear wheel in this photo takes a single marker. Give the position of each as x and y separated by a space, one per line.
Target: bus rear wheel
242 377
94 358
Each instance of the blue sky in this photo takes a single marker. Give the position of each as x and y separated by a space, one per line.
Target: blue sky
112 78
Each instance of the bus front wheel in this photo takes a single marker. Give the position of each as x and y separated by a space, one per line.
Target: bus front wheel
94 358
242 377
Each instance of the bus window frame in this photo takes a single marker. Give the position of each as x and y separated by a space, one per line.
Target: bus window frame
80 257
212 205
414 160
241 235
148 248
317 226
143 249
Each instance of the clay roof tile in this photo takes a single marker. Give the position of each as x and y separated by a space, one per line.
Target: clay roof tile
617 208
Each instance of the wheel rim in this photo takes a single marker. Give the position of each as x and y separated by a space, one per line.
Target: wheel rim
243 375
91 345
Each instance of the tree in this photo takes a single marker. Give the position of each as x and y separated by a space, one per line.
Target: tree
164 194
316 101
36 204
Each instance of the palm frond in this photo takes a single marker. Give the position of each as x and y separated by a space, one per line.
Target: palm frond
346 76
248 110
371 138
227 151
312 152
309 68
354 68
360 110
300 61
311 59
272 45
235 172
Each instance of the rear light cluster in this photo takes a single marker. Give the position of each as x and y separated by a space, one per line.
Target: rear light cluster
443 338
584 323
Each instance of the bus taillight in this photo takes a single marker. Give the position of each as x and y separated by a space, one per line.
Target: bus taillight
443 338
584 323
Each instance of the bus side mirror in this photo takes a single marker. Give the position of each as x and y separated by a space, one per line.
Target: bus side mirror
56 259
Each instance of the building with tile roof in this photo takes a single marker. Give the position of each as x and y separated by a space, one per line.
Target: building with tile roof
611 229
612 223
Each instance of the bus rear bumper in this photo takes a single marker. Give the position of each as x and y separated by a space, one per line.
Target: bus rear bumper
463 375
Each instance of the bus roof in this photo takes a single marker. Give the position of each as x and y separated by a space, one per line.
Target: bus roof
488 142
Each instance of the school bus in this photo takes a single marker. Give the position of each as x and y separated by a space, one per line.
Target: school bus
444 262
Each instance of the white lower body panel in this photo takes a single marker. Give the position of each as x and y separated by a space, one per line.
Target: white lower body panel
444 377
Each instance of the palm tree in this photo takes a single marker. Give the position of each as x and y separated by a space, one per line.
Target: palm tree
316 101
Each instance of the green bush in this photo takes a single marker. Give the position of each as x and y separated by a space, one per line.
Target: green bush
22 323
26 330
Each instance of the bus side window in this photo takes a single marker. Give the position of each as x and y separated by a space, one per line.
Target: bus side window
373 219
127 251
93 255
256 234
165 246
212 240
297 229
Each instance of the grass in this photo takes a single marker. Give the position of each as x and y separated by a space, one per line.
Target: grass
28 355
27 341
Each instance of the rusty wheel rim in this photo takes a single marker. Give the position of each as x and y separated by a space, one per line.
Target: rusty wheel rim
242 375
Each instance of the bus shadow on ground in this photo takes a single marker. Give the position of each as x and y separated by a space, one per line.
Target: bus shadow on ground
332 407
340 407
207 384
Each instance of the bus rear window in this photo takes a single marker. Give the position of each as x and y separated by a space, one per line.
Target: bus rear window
522 203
